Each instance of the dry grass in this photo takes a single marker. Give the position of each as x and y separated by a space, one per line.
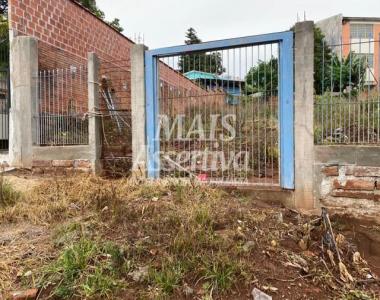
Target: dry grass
182 238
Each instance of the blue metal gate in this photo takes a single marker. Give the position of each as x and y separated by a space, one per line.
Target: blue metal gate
222 111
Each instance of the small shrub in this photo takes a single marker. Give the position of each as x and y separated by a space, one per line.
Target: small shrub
98 284
8 195
85 269
357 295
168 278
219 273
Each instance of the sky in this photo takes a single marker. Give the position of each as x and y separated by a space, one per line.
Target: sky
164 22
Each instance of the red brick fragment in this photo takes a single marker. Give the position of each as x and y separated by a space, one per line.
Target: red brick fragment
42 163
63 163
25 295
355 184
331 171
367 172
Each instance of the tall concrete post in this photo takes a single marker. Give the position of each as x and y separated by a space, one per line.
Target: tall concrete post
304 111
139 148
24 71
93 108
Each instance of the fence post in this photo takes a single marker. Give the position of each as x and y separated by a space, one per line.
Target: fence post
93 108
24 70
304 115
139 149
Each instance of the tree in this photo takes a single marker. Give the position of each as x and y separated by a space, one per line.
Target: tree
91 5
191 37
347 73
4 8
263 77
4 35
116 24
322 56
204 62
331 72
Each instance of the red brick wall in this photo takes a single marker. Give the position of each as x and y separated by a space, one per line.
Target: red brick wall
67 32
351 187
67 26
179 82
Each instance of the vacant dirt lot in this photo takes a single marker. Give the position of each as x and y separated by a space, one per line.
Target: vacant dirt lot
90 238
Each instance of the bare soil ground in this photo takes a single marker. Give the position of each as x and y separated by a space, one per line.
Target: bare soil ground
91 238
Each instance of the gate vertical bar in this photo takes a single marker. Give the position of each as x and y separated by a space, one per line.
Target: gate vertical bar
152 136
287 112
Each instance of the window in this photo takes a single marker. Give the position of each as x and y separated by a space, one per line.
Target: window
361 31
367 58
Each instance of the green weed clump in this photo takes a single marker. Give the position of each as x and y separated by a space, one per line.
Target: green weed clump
85 269
8 195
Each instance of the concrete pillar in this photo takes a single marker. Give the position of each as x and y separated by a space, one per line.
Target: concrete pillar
94 122
304 110
139 148
24 72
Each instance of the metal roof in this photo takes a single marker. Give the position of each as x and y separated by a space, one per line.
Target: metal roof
195 75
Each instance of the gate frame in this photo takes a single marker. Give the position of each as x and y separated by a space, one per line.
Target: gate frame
286 96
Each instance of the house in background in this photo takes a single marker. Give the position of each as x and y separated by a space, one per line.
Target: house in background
233 87
360 35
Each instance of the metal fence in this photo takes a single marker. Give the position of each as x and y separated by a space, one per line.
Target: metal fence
4 93
347 100
61 107
219 115
115 107
4 108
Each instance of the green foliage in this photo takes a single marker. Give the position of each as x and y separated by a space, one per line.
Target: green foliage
204 62
357 295
91 5
345 72
322 54
263 77
333 73
85 269
346 119
219 273
4 41
4 8
116 24
168 278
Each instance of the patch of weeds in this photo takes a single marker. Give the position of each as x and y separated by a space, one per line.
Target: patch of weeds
168 278
99 284
180 192
106 197
150 191
8 195
67 233
191 241
203 217
219 273
85 269
357 295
